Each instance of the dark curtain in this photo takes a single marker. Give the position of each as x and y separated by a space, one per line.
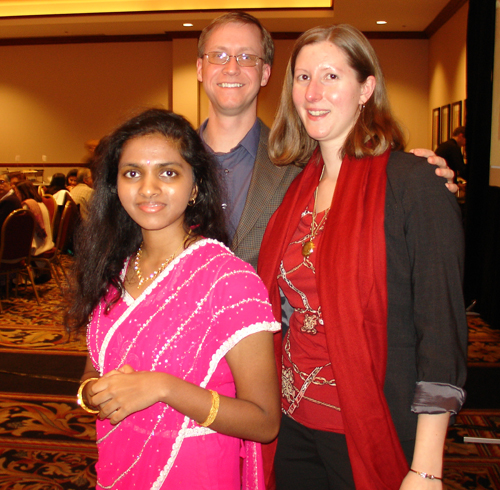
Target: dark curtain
482 211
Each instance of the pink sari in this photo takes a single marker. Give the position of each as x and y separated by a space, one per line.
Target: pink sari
184 323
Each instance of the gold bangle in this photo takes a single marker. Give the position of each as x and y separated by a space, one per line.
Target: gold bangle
426 475
79 396
213 409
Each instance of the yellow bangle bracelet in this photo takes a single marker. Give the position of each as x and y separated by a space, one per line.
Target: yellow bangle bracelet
213 409
79 396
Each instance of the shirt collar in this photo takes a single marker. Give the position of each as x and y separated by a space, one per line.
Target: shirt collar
250 142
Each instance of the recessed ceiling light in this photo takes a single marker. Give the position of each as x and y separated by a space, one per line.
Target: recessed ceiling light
381 22
187 24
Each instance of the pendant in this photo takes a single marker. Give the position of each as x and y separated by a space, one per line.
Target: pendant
307 248
309 325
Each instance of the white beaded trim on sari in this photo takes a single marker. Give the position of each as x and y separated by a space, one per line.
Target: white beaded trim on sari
216 358
148 290
227 345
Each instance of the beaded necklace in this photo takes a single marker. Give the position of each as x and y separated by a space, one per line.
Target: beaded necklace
160 269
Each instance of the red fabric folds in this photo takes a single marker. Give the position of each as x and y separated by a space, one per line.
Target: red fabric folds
351 278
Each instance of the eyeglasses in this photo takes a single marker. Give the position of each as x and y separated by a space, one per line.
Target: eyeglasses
221 58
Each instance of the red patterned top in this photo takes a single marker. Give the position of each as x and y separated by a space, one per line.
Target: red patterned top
309 393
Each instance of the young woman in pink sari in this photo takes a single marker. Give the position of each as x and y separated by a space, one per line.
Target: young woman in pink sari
180 370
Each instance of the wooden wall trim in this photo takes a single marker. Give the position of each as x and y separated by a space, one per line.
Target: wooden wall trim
450 9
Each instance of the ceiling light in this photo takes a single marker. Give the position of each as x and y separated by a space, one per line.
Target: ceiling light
187 24
381 22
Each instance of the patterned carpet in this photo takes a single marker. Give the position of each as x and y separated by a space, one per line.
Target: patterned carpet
48 443
484 344
473 466
26 326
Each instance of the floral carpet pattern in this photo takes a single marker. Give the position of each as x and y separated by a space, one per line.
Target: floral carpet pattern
473 466
47 442
26 326
484 344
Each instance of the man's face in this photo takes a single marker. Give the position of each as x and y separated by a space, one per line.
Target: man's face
4 185
231 88
14 181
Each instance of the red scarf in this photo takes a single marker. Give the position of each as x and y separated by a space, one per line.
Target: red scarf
352 284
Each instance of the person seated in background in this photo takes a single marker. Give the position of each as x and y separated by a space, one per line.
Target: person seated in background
71 179
16 177
42 241
8 199
31 200
83 191
57 188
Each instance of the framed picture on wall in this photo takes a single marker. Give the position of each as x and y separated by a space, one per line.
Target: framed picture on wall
456 115
435 127
445 124
464 115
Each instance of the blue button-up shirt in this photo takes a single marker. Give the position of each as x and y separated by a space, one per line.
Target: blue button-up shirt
237 167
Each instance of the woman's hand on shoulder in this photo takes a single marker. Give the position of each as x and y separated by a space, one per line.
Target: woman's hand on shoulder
442 169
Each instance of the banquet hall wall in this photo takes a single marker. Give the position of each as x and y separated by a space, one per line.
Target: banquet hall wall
55 97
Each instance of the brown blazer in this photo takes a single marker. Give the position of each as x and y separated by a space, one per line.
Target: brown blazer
268 186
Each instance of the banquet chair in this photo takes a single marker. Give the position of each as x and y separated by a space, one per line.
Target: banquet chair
15 248
51 258
51 205
58 216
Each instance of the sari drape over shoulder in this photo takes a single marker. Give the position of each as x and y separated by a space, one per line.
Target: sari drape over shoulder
184 323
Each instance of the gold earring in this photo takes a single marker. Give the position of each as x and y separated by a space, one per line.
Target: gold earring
192 201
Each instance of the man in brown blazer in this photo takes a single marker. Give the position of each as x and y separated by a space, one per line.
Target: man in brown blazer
235 54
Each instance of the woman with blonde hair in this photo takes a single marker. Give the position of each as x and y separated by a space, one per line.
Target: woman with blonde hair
374 359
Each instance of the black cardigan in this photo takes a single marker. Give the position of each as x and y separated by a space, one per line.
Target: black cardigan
427 337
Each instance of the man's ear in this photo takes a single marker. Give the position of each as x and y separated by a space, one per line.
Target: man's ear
266 73
199 66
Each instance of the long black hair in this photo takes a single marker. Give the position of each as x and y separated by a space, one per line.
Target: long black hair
27 190
58 183
109 235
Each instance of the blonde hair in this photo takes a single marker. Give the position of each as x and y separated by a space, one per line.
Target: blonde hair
238 18
375 129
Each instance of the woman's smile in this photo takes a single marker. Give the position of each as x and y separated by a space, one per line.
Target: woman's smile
150 206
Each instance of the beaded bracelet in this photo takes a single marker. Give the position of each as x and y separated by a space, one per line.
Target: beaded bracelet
426 475
79 396
213 409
